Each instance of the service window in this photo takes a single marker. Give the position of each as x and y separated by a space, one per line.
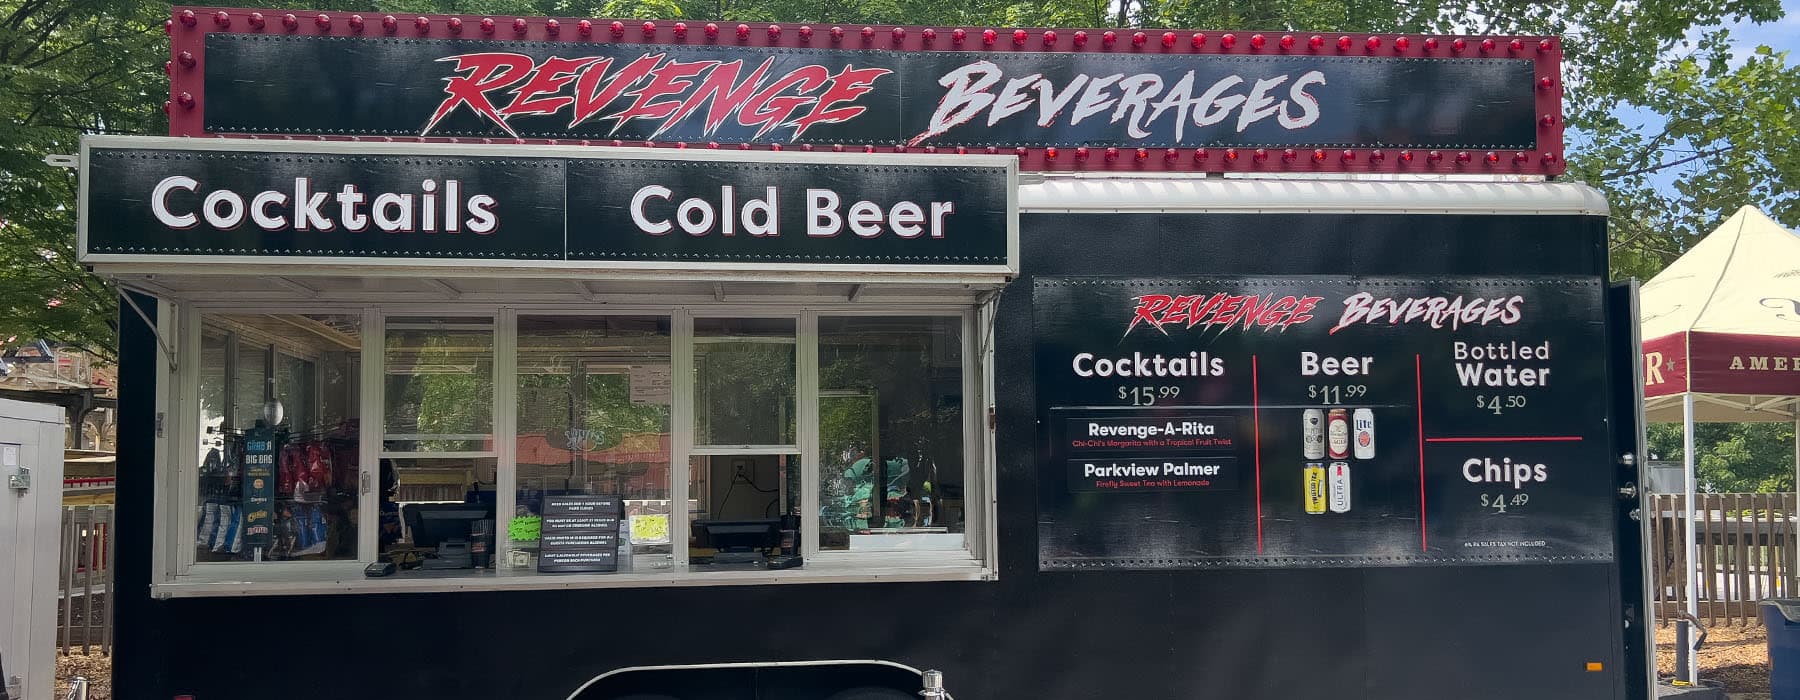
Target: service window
438 460
594 397
277 476
891 442
829 440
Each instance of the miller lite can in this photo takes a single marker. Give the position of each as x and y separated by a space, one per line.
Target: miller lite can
1362 425
1338 487
1337 433
1312 434
1314 477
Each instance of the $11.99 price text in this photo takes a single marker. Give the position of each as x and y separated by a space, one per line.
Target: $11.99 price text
1335 394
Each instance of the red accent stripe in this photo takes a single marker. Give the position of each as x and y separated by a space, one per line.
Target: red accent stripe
1256 430
1419 403
1556 438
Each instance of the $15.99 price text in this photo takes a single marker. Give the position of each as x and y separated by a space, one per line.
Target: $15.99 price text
1147 395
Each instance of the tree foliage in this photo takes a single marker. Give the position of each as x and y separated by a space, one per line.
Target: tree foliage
66 67
1733 457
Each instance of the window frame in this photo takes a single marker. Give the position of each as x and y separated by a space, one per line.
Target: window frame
183 401
972 398
175 560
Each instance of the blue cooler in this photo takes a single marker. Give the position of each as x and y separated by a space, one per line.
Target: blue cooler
1782 618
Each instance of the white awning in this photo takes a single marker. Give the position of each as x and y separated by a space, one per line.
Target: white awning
1272 195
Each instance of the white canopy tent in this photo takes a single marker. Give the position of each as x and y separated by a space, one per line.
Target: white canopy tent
1721 330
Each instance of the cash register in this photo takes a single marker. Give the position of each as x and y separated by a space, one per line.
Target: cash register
452 535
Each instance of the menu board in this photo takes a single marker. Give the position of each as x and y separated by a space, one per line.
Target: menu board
1320 421
579 534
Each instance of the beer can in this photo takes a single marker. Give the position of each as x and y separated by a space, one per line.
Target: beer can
1314 477
1338 487
1362 425
1337 433
1312 434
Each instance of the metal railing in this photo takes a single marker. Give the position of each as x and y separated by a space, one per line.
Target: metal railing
1747 553
84 581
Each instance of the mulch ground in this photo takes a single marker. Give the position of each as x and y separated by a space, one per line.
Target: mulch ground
97 669
1738 657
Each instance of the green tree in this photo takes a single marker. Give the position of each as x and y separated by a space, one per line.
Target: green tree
1733 457
1724 134
66 67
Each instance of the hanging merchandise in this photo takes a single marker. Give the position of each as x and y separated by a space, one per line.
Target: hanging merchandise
306 496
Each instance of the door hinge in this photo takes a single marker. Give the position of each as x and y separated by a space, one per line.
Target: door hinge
159 424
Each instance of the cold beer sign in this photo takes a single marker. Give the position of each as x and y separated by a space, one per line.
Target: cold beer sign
148 199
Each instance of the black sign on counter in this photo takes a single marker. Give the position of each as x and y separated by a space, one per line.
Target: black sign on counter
1320 421
580 534
151 200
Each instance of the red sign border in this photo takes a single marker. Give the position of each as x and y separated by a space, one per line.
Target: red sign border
189 26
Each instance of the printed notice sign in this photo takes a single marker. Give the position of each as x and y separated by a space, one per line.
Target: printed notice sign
580 533
651 384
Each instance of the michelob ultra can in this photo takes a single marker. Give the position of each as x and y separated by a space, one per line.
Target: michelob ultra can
1337 433
1312 434
1362 426
1338 487
1314 477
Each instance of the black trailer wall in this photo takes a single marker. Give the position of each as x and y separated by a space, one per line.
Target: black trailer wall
139 655
1474 633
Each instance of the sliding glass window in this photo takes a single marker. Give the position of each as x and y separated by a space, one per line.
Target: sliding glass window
594 394
438 462
744 474
891 438
277 476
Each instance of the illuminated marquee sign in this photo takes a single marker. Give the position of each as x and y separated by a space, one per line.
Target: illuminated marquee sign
1058 99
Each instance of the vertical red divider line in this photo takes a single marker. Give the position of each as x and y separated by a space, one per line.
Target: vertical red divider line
1256 437
1419 406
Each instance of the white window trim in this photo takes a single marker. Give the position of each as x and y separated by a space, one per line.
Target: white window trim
505 423
369 430
176 573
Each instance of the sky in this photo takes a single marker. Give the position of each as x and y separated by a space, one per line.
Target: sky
1781 35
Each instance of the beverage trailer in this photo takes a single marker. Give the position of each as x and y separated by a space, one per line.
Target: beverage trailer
475 357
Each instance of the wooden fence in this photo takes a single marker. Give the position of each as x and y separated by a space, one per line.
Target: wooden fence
85 613
1747 553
